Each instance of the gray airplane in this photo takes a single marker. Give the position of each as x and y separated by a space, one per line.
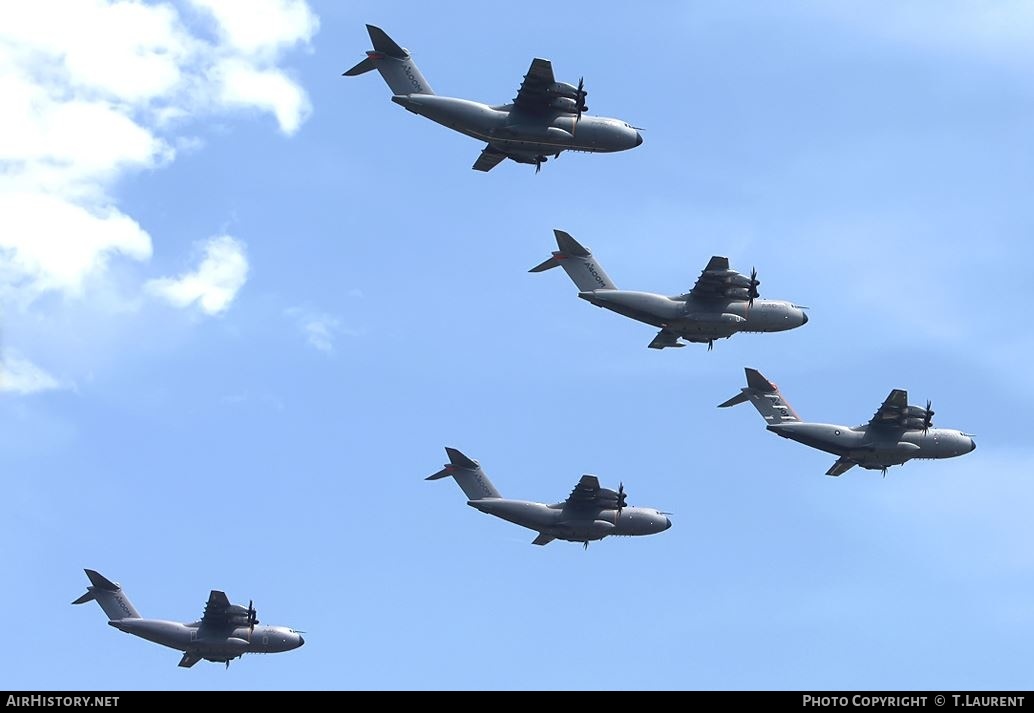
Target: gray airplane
895 434
589 513
225 631
544 119
721 303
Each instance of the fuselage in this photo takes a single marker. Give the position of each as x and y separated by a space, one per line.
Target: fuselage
512 130
222 644
877 447
700 320
576 525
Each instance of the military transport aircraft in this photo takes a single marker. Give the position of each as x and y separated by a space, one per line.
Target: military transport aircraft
225 632
721 303
895 434
544 118
589 513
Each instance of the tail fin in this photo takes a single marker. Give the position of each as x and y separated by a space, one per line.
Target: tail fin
394 63
109 595
468 474
578 263
766 399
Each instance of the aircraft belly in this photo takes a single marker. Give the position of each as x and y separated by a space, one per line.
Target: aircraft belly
635 314
705 330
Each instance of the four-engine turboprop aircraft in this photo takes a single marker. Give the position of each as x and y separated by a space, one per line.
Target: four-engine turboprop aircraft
225 631
544 119
721 303
895 434
589 513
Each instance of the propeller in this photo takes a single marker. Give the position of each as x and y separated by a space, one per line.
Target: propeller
927 417
752 291
621 501
539 160
581 98
252 621
710 344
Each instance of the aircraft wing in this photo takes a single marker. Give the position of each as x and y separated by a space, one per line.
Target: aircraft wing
489 159
717 281
216 610
589 493
532 96
664 339
842 465
893 411
189 659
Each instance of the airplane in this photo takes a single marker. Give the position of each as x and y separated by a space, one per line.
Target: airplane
589 513
895 434
225 631
721 303
544 119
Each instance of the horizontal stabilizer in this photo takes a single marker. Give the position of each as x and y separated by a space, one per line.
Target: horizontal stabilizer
109 595
756 381
189 659
88 597
457 458
579 264
542 539
383 43
468 475
363 67
766 399
547 264
735 400
99 580
569 245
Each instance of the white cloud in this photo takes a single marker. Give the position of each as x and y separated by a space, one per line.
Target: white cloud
98 93
261 26
20 376
242 84
51 244
215 283
320 329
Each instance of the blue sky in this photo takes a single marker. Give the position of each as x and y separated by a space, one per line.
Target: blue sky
247 301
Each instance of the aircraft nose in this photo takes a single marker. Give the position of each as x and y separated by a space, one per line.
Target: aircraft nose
301 640
972 445
638 139
804 318
667 523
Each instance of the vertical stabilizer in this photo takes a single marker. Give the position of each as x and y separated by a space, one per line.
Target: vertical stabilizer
766 399
394 63
578 263
468 474
109 595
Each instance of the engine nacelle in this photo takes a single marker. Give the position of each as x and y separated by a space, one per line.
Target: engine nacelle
565 104
563 89
737 293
